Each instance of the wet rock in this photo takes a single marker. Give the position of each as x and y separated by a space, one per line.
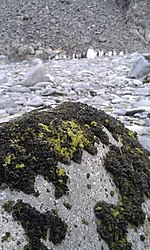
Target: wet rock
72 176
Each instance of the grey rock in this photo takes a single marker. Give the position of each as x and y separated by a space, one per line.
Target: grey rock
36 75
11 111
3 59
18 88
36 61
2 112
145 141
3 78
132 112
139 68
6 102
39 53
53 53
31 50
36 101
22 50
71 191
144 91
142 103
119 112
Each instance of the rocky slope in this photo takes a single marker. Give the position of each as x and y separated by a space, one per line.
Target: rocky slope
34 28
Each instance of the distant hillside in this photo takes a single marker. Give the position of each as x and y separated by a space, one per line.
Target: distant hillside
36 26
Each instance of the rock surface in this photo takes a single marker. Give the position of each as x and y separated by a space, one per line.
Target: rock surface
140 68
41 29
72 177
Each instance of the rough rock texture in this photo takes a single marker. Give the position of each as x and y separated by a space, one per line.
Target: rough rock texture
140 68
35 27
138 16
72 177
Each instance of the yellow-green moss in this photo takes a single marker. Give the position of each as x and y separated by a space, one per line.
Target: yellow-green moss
67 131
93 123
7 160
115 212
60 172
139 151
45 127
132 134
21 165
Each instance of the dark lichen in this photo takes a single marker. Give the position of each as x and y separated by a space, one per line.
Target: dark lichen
111 226
38 225
129 167
7 206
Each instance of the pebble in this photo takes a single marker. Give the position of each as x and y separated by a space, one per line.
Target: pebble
102 82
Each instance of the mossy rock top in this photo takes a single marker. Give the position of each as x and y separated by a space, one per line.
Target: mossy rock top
72 177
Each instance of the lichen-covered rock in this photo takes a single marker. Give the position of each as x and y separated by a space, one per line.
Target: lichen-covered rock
72 177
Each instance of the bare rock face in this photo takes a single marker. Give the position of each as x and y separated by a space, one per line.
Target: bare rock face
124 4
72 177
138 16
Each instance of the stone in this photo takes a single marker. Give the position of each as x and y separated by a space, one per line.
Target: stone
31 50
139 68
145 141
52 53
37 101
39 53
72 177
36 61
3 78
22 50
36 75
3 59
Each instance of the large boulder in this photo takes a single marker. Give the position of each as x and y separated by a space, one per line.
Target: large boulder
140 68
71 178
39 73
